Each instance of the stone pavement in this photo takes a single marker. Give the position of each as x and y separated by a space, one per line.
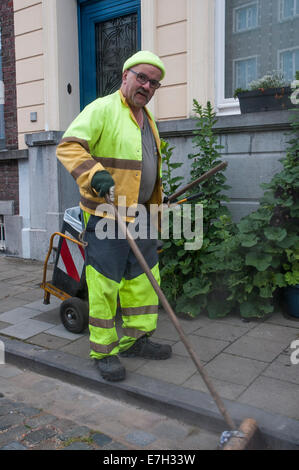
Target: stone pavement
42 413
249 362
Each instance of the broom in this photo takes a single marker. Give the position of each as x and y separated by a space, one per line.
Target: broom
235 439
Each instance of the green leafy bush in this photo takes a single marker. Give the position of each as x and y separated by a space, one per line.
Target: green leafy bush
189 278
263 254
239 266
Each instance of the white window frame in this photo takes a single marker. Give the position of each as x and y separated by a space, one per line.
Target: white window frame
224 106
235 10
288 18
279 60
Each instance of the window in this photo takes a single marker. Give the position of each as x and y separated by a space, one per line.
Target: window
2 127
250 42
289 63
245 71
246 17
288 9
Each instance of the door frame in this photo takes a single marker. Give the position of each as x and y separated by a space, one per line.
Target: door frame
91 12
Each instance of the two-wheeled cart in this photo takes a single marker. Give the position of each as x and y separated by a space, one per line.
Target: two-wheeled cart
68 281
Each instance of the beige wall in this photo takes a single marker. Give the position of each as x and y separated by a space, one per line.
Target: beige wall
184 39
61 63
46 40
29 65
172 47
181 32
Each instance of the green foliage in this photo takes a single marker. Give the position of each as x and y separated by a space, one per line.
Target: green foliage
265 246
207 157
189 278
239 266
170 182
238 91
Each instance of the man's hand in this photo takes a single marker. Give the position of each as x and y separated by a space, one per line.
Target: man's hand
102 181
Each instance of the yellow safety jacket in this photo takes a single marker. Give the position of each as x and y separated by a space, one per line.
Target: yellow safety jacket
106 136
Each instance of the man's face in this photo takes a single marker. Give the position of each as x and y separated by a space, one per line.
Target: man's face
136 94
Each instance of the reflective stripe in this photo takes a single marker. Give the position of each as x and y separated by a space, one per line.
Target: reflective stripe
100 323
90 204
95 207
133 333
119 163
82 142
147 309
103 348
85 166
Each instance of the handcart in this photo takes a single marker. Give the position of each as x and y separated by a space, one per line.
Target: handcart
68 281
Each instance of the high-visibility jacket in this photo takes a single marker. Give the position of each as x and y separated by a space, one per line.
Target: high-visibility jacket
106 136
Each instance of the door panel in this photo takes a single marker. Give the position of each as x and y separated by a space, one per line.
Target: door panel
109 33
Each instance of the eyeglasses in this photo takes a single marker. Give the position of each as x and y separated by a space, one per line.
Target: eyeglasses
143 79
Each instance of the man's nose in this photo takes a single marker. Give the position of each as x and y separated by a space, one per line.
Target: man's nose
147 86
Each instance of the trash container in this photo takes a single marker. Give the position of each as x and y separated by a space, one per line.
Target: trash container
69 267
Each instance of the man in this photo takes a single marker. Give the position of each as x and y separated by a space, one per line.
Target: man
114 142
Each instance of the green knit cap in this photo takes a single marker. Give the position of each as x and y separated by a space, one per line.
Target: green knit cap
144 57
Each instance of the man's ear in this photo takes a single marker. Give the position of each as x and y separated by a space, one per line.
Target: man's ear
124 75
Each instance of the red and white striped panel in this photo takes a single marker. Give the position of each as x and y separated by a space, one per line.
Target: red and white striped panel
71 258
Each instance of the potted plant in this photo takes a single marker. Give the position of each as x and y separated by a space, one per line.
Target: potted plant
269 93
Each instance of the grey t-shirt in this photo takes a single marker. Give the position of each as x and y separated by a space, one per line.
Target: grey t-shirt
149 162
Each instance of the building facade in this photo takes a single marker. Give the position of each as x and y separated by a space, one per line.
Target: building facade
57 56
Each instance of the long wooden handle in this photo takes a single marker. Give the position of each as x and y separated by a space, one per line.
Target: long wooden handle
205 176
173 317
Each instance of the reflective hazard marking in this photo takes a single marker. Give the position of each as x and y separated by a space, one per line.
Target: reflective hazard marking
71 259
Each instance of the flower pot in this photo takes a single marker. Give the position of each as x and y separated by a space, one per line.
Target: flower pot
270 99
291 295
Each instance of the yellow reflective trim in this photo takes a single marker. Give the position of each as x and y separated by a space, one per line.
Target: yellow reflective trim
100 323
100 350
133 333
140 310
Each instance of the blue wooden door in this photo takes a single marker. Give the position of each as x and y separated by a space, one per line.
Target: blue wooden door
109 33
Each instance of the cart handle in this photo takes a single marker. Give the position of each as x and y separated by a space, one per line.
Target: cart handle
50 249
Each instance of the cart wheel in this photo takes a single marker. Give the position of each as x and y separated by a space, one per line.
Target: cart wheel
74 314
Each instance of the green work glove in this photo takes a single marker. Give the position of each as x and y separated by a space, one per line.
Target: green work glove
102 181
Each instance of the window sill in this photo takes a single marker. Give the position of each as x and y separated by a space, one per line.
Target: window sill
251 122
13 154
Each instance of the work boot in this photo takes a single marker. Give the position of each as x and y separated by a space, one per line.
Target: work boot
111 368
147 349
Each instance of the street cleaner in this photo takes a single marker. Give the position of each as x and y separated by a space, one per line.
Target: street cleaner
114 144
